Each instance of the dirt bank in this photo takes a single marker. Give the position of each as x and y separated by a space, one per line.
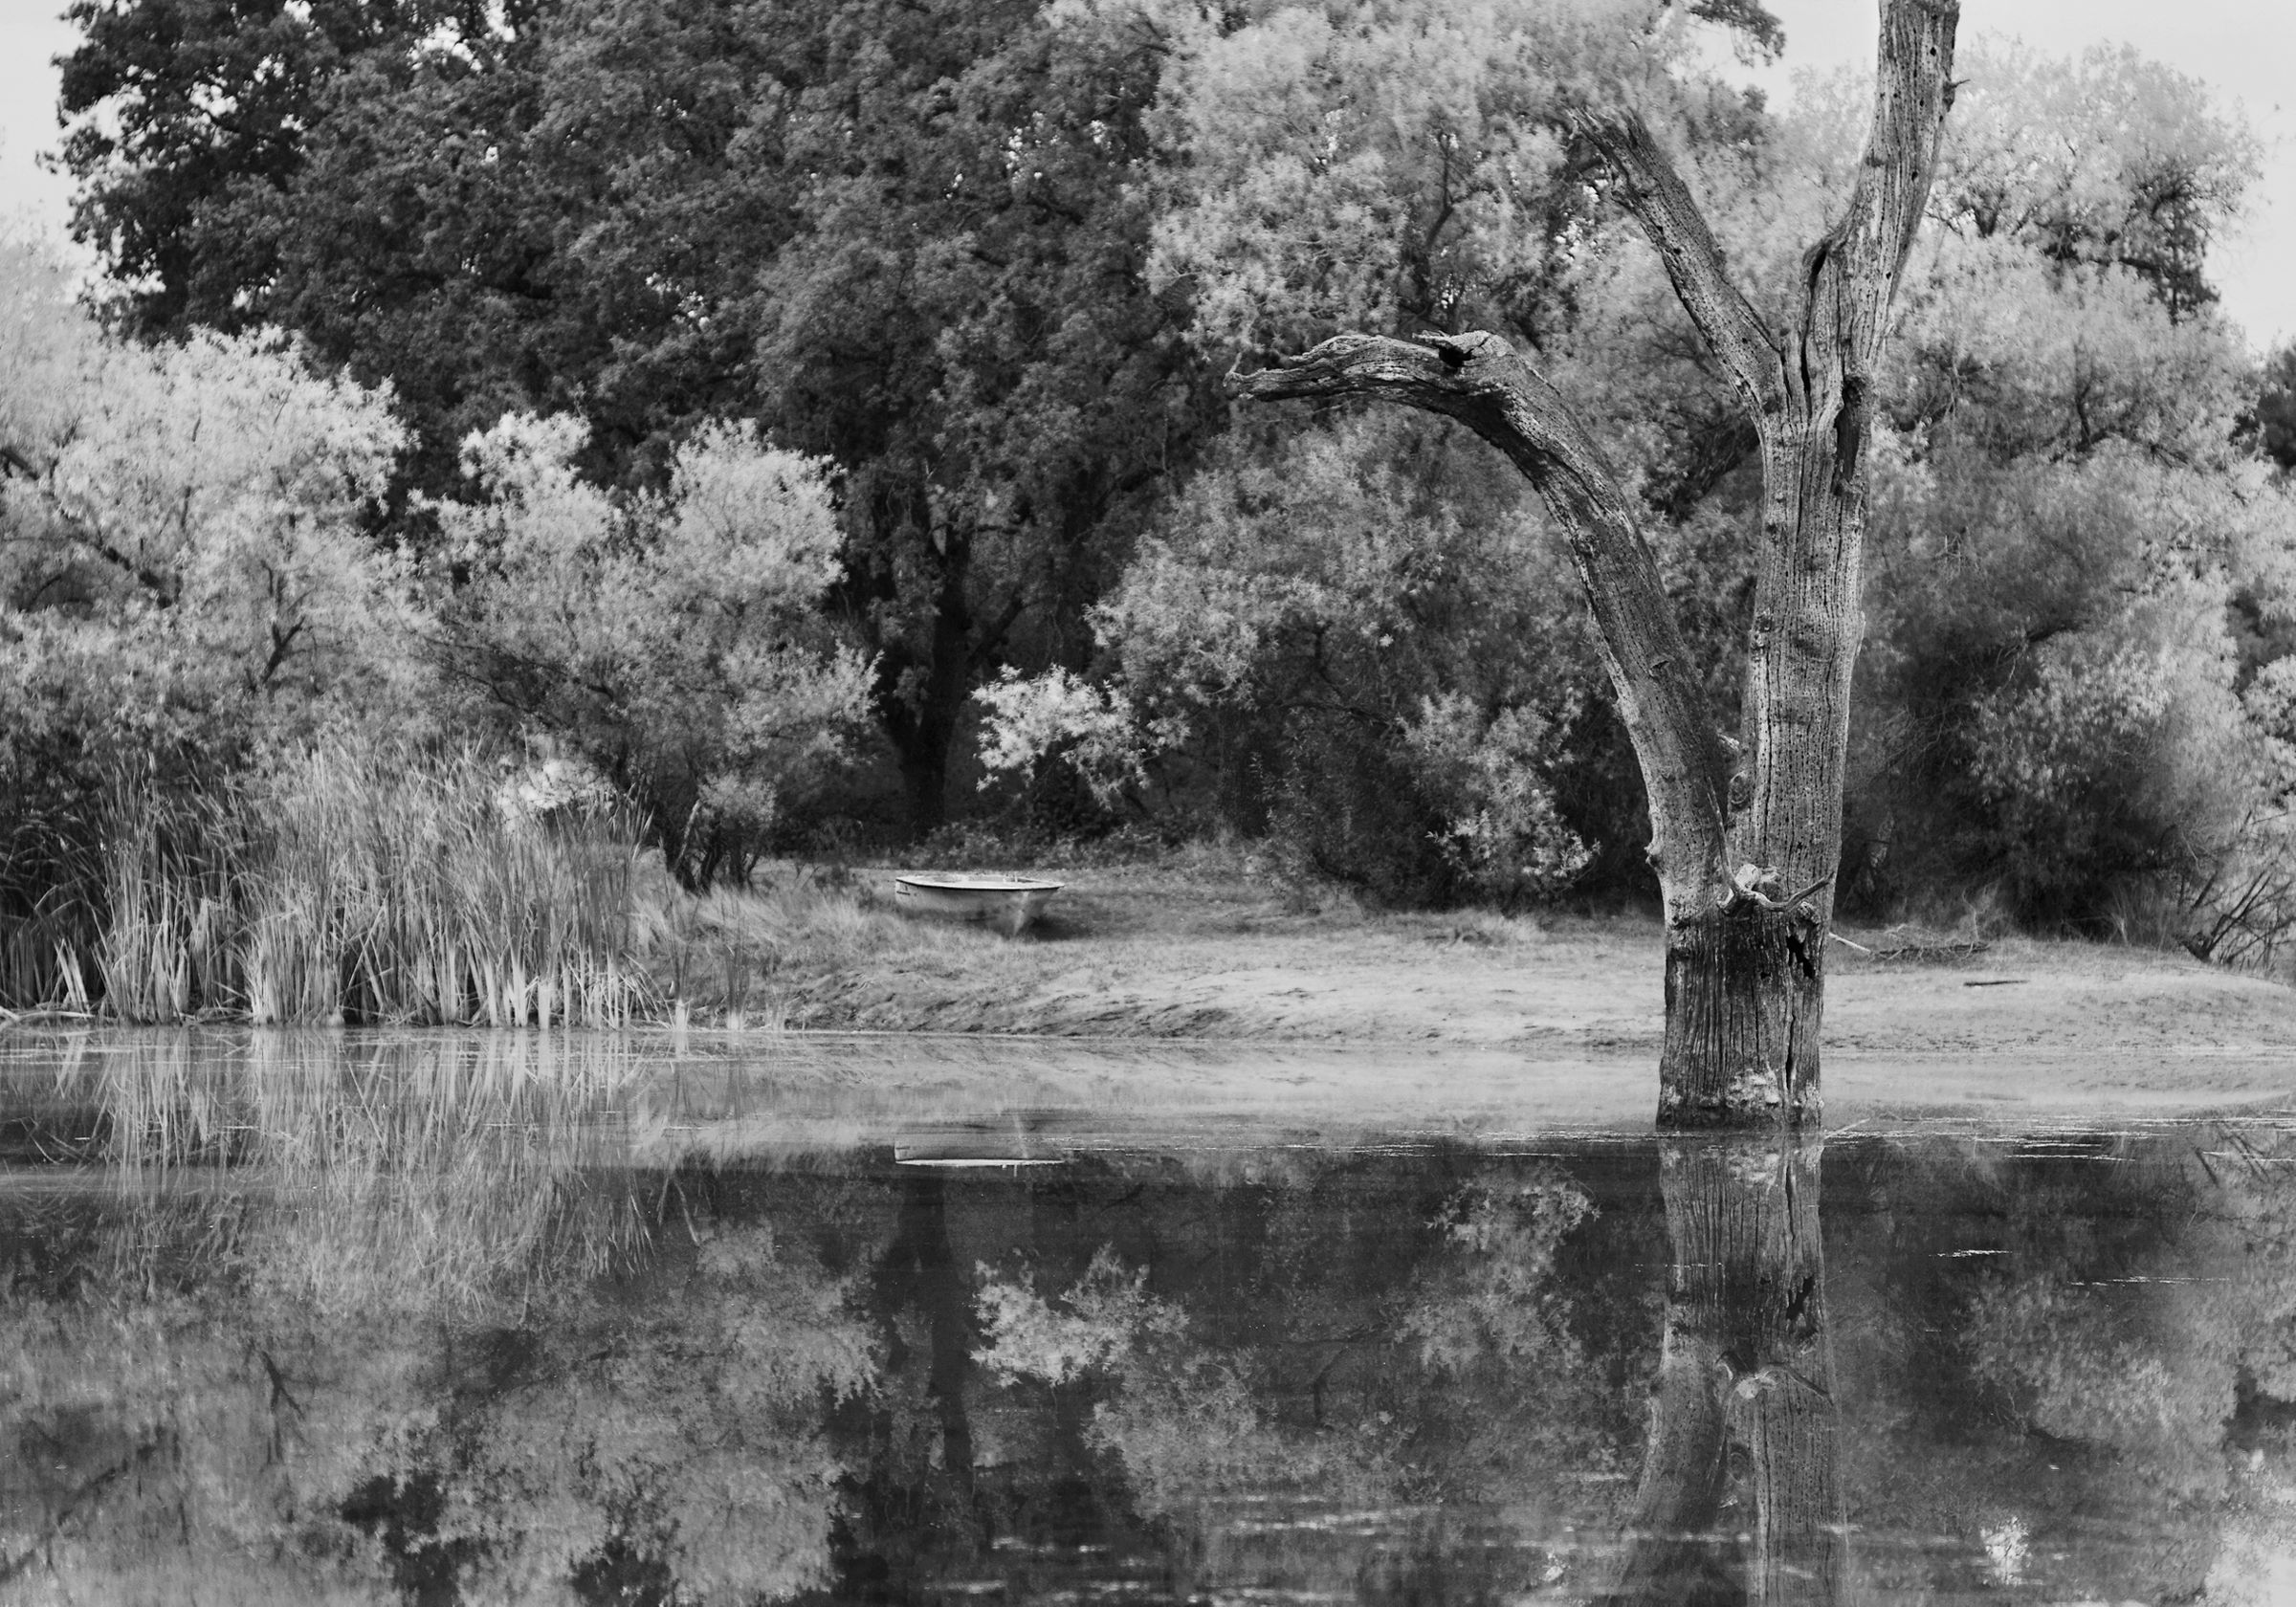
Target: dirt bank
1573 1004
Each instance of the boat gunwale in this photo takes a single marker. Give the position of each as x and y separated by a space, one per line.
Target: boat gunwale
944 881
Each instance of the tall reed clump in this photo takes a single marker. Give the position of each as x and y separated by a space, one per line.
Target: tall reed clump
375 884
49 925
433 893
170 868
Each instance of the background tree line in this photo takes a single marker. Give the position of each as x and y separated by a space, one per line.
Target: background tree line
802 414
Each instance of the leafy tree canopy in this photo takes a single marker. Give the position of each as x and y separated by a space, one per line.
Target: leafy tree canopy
906 237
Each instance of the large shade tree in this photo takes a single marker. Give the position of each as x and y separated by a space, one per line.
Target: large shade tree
1746 833
904 237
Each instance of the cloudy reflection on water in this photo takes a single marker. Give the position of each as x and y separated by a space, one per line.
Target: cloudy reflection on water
522 1317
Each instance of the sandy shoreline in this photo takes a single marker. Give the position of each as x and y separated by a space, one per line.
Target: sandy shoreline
1471 1017
1168 1005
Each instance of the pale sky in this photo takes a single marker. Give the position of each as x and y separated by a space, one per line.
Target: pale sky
31 32
2244 50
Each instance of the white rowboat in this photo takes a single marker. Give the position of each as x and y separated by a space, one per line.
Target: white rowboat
1009 903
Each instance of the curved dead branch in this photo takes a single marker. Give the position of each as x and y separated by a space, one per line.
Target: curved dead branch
1484 383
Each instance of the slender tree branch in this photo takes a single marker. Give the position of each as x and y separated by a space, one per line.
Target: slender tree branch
281 641
1650 190
17 464
86 532
1849 277
1912 94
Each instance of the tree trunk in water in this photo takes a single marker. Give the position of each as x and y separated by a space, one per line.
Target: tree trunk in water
1745 852
1746 1357
1745 995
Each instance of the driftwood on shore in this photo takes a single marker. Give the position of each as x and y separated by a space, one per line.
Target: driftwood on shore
41 1014
1917 951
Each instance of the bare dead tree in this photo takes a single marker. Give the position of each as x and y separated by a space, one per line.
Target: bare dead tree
1745 837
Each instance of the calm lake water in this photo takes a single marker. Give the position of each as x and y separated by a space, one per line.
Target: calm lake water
307 1317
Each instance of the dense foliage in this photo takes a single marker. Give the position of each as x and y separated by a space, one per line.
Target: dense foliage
673 640
798 413
902 236
2071 706
2079 582
195 603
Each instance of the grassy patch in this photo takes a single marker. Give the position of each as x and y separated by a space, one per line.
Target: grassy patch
808 948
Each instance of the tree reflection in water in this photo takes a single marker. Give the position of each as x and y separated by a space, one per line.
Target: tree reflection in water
446 1318
1744 1426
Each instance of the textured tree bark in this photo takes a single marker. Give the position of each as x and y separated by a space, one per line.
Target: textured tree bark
1745 853
1745 990
1746 1357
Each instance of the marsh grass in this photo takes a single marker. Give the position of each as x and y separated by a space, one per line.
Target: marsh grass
168 884
416 893
41 953
48 930
376 884
726 953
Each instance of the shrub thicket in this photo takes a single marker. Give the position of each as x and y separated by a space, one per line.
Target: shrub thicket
674 642
250 756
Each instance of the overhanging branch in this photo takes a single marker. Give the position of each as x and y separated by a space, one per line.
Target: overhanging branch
1481 380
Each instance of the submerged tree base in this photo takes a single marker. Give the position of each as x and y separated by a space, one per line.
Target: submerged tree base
1745 997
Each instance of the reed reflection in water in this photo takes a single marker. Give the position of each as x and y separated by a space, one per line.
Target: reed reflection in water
436 1171
319 1319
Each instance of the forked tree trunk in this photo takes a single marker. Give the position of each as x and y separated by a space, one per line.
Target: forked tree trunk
1746 1357
1745 852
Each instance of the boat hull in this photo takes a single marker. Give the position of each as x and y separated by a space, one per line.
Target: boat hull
1012 907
